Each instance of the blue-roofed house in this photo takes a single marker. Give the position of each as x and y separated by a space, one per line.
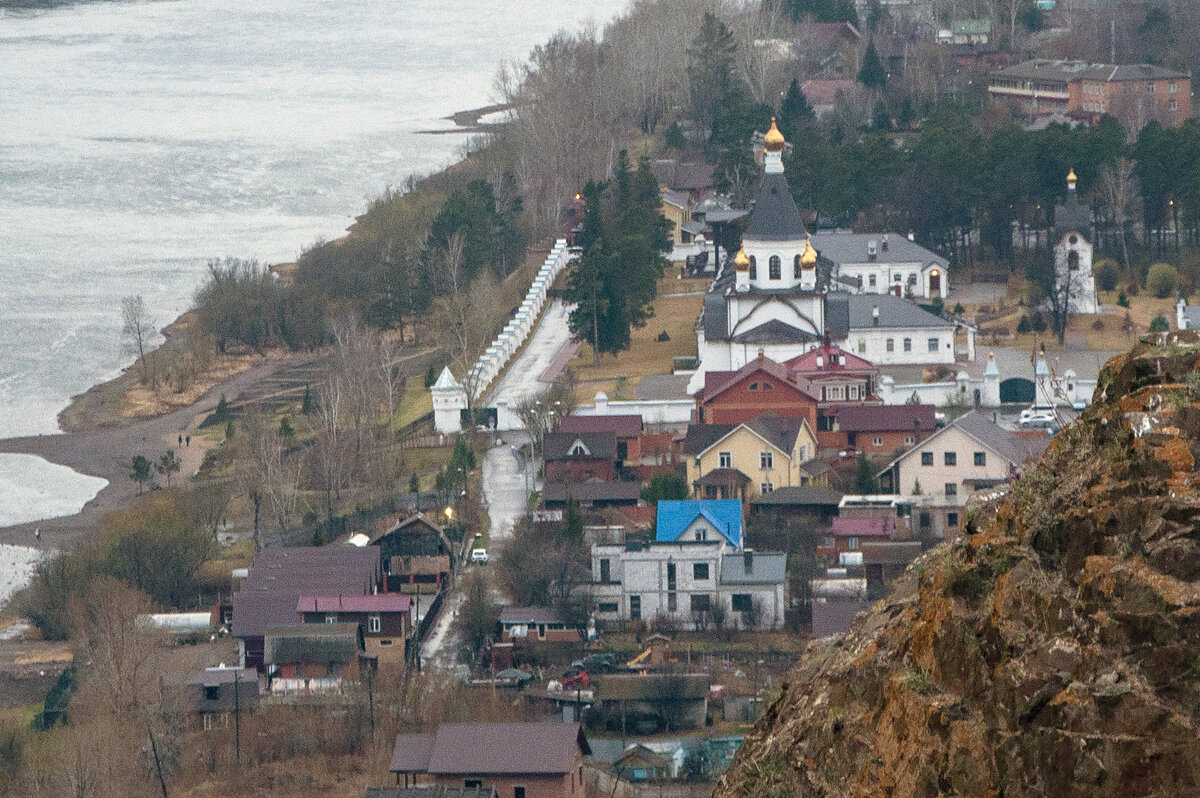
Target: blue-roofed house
700 520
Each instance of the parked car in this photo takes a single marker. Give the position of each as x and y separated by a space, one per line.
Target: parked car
479 555
1037 417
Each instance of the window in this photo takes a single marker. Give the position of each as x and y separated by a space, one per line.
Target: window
950 458
1150 87
834 393
672 602
768 386
331 617
951 519
635 608
925 520
702 603
373 623
862 346
212 692
802 452
605 570
853 392
907 344
519 791
871 281
796 267
1073 259
606 606
700 571
473 784
385 642
1174 106
951 489
933 344
827 542
766 460
909 440
891 345
766 487
701 534
753 268
670 576
741 602
724 459
775 268
980 458
1172 87
877 441
926 458
852 542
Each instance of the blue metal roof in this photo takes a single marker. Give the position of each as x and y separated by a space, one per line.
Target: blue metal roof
674 517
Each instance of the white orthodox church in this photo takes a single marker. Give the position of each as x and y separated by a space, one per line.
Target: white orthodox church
1073 253
779 299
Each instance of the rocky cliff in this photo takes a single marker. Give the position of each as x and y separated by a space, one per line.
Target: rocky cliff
1054 650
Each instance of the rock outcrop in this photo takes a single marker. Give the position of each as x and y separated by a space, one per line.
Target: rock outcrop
1054 650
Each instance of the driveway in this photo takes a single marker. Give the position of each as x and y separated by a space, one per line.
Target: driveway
520 380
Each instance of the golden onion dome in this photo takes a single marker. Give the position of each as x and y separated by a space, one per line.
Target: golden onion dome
810 255
1071 178
741 262
773 141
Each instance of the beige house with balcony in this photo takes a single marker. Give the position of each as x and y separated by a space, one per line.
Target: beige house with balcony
745 461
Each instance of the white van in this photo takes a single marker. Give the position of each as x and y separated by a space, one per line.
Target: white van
479 555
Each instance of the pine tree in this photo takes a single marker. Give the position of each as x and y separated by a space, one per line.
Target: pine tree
872 74
794 112
866 482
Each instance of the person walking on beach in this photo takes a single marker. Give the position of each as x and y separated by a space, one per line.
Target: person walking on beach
37 533
189 441
181 440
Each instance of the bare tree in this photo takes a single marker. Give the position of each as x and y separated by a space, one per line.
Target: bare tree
331 455
1121 195
355 353
390 379
137 330
762 51
466 317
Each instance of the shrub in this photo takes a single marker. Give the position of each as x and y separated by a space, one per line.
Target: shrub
1107 274
1098 325
1122 300
1159 324
959 309
1039 322
1023 325
1161 280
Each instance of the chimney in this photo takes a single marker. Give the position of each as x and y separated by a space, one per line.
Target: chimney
872 249
761 356
820 362
875 315
911 237
885 243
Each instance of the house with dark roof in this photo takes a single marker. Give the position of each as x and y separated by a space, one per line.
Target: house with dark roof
417 535
572 457
533 624
744 461
628 430
385 620
814 504
278 577
517 760
313 657
888 330
881 263
971 454
879 431
213 695
593 494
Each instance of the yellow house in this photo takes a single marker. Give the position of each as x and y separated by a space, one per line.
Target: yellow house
744 461
677 208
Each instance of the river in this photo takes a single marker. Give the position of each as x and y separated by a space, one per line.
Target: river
140 139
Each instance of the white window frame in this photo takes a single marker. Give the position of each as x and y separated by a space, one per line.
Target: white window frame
331 617
724 459
766 460
374 623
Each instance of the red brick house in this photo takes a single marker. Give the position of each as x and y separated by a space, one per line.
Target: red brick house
761 386
519 760
877 430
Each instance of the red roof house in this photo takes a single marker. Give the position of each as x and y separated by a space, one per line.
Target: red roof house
761 386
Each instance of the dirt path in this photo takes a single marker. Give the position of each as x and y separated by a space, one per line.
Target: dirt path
107 453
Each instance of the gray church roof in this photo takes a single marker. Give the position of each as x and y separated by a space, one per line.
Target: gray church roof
775 216
846 312
1073 216
774 332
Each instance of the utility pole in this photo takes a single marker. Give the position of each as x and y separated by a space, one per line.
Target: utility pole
237 718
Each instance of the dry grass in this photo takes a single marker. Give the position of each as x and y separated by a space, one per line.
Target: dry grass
416 402
676 315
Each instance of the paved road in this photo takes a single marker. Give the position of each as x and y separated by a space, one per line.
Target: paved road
507 481
521 378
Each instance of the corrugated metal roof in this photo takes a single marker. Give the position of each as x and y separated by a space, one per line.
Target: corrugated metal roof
411 753
675 516
623 426
843 246
775 216
380 602
885 418
893 312
600 444
506 748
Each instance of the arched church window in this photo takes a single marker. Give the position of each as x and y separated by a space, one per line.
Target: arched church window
1072 260
1074 239
776 267
753 268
